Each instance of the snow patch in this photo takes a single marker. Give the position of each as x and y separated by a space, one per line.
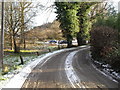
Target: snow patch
105 73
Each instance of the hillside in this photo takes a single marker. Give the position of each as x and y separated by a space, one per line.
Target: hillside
45 32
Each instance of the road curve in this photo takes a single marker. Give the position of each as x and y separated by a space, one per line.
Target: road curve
88 75
53 73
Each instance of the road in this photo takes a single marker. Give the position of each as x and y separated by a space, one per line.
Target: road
68 69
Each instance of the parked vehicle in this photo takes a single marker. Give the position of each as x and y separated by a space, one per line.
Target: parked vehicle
62 42
52 41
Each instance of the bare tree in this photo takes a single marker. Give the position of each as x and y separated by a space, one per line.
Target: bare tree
16 20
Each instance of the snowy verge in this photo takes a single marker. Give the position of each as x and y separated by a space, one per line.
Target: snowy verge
106 70
18 79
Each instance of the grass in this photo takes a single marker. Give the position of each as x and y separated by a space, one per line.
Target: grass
2 78
12 61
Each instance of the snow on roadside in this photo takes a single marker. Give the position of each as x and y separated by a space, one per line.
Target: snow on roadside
12 73
106 70
19 76
70 72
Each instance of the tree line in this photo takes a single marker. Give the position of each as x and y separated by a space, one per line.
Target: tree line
76 19
97 22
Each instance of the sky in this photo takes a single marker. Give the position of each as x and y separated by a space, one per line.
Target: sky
50 16
45 16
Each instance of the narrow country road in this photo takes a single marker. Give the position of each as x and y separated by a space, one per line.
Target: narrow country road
68 69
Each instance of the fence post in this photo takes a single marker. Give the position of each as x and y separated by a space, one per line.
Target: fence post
49 50
37 53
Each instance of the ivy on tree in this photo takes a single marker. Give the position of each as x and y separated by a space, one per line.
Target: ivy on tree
67 15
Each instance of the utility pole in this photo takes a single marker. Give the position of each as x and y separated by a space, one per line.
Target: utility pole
2 35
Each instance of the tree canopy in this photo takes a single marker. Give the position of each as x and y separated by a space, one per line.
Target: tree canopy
67 15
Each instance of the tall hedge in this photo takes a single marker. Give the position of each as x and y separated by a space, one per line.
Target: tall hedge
103 41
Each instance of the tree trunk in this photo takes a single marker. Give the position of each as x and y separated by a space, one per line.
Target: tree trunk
22 62
69 41
80 40
16 49
11 45
24 43
23 27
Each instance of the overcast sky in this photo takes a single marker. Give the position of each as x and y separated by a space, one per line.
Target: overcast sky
50 16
